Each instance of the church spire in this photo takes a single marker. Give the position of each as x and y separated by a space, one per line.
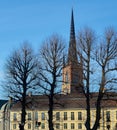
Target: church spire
72 71
72 54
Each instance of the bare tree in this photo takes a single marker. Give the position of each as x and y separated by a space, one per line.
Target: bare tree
21 77
51 57
85 46
104 57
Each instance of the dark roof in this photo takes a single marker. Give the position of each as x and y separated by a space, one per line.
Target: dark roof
70 101
2 102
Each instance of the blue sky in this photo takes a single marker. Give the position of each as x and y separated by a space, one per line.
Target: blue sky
35 20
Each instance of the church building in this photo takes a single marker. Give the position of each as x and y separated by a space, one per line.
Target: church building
71 114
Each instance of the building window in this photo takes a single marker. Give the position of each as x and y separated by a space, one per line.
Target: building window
29 116
29 126
72 115
79 115
65 115
42 125
75 77
14 126
15 116
57 115
79 125
42 116
66 77
65 125
57 125
72 126
107 116
36 116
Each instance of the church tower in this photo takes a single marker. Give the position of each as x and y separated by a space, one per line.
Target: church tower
72 70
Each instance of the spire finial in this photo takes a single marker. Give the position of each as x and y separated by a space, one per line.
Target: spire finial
72 30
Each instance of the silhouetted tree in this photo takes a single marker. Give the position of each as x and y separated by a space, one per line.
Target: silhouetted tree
104 56
51 57
86 39
21 76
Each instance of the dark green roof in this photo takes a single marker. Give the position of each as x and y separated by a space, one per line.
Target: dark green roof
2 102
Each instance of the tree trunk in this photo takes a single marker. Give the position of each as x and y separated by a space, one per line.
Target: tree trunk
99 99
88 125
23 113
50 113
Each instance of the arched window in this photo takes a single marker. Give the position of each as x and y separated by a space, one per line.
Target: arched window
66 77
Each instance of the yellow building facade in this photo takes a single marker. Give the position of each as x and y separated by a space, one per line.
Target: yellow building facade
73 119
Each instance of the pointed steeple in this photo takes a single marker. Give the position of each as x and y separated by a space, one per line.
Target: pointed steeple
72 53
73 69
